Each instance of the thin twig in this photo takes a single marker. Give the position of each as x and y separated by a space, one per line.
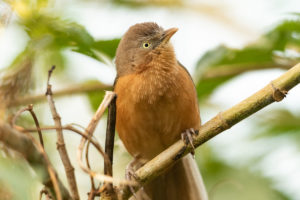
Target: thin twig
273 92
235 69
17 115
30 109
93 141
93 190
67 127
110 136
69 169
52 173
92 126
90 130
91 195
71 90
109 143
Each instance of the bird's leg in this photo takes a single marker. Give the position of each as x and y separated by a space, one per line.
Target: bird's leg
129 171
188 137
130 175
134 165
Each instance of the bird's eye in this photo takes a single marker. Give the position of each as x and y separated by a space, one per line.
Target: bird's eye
146 45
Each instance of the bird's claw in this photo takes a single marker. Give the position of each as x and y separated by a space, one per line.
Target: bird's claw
130 175
188 137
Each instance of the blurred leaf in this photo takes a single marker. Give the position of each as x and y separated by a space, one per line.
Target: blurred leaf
227 182
47 30
95 98
205 87
26 8
102 50
107 47
279 122
42 3
49 36
18 178
50 56
272 50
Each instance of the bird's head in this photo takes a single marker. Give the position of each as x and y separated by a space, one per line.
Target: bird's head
141 44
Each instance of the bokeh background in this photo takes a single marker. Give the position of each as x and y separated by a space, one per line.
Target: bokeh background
232 48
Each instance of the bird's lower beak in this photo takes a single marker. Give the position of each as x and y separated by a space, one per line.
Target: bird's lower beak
168 34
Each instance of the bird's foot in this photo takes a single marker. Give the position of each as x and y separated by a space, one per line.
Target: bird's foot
130 174
188 138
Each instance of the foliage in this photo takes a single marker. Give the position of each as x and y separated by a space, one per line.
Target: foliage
17 179
269 51
48 36
226 182
95 97
107 46
279 123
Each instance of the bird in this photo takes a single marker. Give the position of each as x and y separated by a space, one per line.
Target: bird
156 105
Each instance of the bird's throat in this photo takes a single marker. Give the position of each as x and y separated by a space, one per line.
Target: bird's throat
156 82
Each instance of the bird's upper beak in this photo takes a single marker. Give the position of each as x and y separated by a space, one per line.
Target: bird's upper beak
168 34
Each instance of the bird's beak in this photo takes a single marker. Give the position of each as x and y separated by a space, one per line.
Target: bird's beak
168 34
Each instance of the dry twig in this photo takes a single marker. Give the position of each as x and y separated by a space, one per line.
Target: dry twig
71 90
235 69
30 109
93 192
109 148
110 136
90 130
69 169
92 140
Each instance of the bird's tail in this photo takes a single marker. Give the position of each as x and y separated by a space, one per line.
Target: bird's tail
182 182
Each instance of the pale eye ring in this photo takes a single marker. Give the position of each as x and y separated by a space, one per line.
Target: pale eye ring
146 45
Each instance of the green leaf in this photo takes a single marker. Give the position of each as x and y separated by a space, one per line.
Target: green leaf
205 87
225 181
96 97
223 63
52 32
107 47
279 123
16 175
101 50
47 29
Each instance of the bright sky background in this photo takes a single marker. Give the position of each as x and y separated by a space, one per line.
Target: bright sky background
238 23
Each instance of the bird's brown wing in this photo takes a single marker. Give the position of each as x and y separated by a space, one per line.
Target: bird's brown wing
181 65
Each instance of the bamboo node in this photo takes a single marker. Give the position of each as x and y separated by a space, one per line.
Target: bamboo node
278 94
